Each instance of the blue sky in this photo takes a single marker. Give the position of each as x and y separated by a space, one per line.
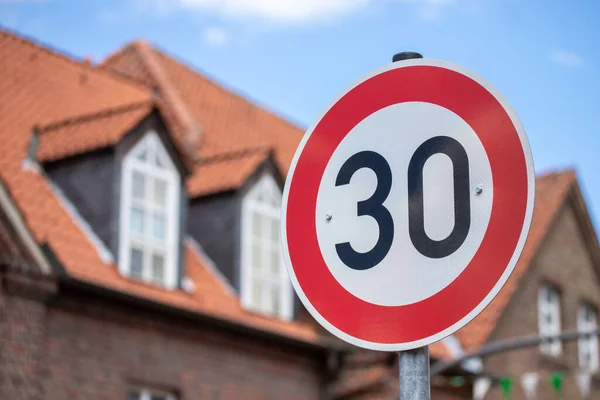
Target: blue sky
293 56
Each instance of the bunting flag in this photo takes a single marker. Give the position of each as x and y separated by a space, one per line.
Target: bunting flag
556 379
457 381
481 387
529 383
583 381
506 386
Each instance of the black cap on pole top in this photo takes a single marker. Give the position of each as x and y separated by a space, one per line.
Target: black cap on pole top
406 55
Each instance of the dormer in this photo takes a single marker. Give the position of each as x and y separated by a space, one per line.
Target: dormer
123 177
238 198
264 284
149 213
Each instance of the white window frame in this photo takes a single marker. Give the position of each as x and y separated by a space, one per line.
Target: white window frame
549 309
146 394
267 188
588 346
168 173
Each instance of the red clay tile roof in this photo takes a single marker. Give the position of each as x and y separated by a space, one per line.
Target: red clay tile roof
230 123
226 172
89 132
38 88
550 192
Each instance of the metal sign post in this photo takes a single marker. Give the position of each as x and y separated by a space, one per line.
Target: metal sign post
414 374
414 364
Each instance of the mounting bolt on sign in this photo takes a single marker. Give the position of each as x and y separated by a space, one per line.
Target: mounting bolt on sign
429 174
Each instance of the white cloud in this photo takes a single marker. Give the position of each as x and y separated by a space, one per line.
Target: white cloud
286 11
215 36
566 58
302 11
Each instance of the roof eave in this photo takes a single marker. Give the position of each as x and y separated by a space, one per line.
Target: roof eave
69 283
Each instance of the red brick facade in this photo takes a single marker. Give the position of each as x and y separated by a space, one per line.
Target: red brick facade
73 347
71 344
564 260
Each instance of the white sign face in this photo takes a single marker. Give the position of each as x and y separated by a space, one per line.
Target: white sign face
407 205
405 275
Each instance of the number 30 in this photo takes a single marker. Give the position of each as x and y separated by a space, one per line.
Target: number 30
373 206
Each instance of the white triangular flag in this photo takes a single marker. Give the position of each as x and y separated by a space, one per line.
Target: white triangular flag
529 383
481 387
583 381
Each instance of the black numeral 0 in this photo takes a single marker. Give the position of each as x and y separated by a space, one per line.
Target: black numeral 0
372 207
462 207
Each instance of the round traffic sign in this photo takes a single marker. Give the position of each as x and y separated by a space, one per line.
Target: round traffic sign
407 205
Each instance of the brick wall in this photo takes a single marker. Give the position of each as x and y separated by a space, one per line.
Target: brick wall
22 335
99 352
78 346
563 260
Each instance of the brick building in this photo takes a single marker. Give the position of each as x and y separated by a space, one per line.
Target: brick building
140 212
554 288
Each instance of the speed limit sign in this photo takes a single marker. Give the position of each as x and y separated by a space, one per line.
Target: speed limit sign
407 205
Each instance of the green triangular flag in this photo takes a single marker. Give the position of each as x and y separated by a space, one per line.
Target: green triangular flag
506 386
556 379
456 381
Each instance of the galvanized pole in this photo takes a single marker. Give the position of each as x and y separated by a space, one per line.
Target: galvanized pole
414 374
414 364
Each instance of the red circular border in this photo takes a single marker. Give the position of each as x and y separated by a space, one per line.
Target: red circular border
488 118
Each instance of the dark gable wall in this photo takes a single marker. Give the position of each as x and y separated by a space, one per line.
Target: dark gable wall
92 182
88 182
214 222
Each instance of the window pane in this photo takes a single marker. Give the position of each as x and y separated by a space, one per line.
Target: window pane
275 262
137 221
275 301
256 294
136 262
158 397
256 255
159 162
142 155
158 227
139 184
134 396
256 224
160 192
158 268
590 315
275 230
551 295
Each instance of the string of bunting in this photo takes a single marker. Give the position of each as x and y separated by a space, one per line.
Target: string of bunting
529 383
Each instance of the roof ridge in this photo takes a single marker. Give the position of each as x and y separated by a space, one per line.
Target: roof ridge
226 88
172 96
554 172
120 52
62 54
39 45
225 156
102 113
